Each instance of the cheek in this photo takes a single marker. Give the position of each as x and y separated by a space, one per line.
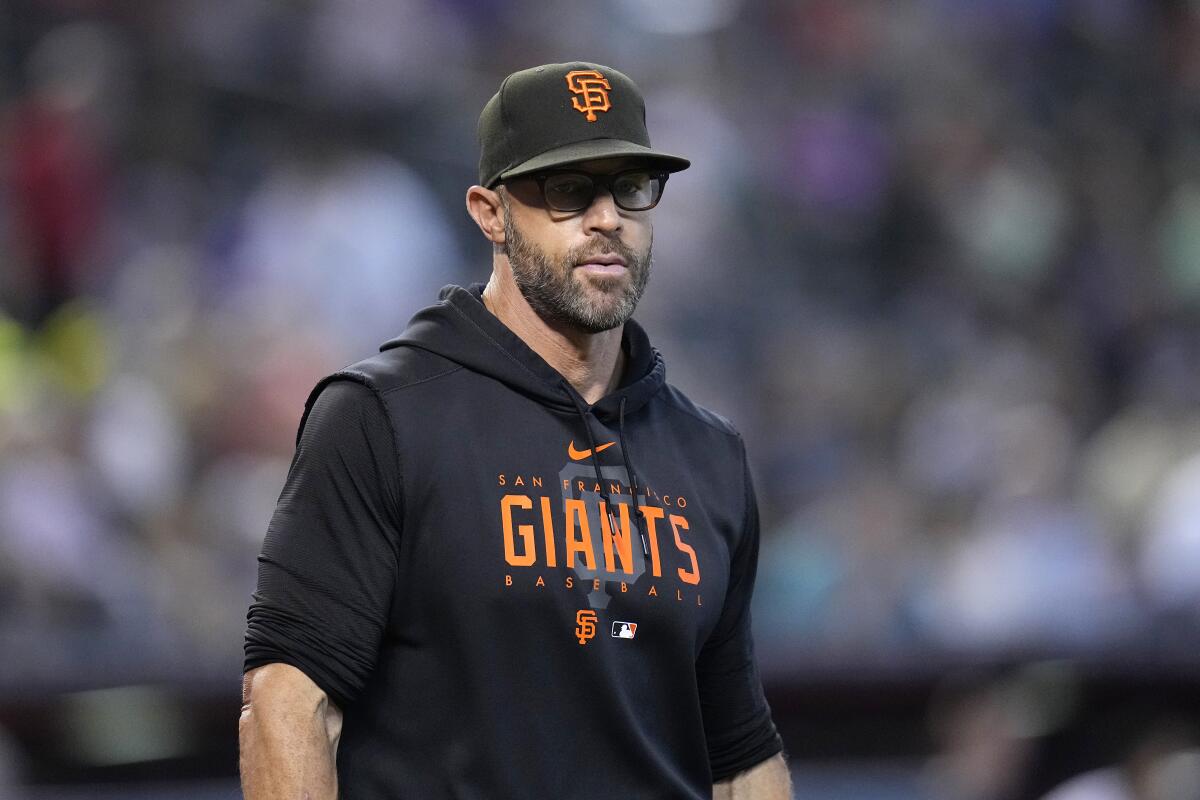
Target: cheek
557 249
546 237
640 234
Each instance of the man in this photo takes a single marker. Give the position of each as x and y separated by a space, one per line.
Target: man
510 560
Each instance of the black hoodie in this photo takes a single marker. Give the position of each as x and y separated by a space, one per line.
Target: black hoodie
443 563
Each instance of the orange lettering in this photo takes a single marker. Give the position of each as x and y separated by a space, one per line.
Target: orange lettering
624 547
501 478
692 577
524 531
570 582
548 533
537 481
678 596
595 584
652 513
540 582
681 502
698 601
653 592
519 481
508 580
624 587
580 485
666 498
614 488
577 512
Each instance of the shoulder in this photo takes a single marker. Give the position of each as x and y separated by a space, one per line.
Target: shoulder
396 368
689 413
361 390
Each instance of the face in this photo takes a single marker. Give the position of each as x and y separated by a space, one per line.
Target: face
586 269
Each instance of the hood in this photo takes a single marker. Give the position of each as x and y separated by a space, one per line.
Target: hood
462 330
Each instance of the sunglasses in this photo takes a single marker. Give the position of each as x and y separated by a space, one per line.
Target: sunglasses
631 189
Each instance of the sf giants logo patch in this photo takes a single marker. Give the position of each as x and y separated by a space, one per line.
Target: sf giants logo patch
585 625
592 90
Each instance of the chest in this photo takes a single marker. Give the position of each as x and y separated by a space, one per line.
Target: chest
521 523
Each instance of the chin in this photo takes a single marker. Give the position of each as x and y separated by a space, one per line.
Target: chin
610 317
594 329
606 283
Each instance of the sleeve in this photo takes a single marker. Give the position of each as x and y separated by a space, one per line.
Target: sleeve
328 563
737 719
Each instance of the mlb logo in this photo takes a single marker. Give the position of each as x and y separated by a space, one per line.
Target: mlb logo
624 630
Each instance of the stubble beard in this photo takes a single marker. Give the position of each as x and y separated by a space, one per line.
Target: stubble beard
557 294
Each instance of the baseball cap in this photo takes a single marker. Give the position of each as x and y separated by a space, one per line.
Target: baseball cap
560 114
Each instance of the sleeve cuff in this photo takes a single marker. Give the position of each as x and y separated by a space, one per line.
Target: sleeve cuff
727 762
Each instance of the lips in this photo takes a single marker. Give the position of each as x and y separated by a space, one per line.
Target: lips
599 268
606 260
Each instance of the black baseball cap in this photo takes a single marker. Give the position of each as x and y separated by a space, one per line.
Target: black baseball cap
560 114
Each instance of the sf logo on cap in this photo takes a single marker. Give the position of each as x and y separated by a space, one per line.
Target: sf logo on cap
592 90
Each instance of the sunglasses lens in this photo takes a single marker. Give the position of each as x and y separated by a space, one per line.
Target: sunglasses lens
635 191
569 191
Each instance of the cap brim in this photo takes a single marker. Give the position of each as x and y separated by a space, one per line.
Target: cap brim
577 152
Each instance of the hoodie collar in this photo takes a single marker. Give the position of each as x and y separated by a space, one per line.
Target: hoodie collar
461 329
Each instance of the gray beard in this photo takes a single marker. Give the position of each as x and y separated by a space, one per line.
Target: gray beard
552 290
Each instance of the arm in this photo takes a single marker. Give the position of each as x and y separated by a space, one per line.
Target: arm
287 735
768 780
325 583
744 748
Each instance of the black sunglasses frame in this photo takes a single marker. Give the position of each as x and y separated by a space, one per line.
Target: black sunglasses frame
601 180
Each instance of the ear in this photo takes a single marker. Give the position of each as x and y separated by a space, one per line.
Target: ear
484 207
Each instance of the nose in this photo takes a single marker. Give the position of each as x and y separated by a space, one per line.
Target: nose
602 216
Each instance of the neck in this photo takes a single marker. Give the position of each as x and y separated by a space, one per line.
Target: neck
591 362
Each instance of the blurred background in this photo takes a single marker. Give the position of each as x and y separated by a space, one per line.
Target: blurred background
939 260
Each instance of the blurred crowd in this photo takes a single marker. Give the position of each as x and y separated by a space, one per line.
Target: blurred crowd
938 260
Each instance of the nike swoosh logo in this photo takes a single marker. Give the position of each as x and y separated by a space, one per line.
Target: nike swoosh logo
578 454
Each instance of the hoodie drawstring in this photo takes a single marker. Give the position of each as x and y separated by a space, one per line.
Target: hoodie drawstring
608 504
633 485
